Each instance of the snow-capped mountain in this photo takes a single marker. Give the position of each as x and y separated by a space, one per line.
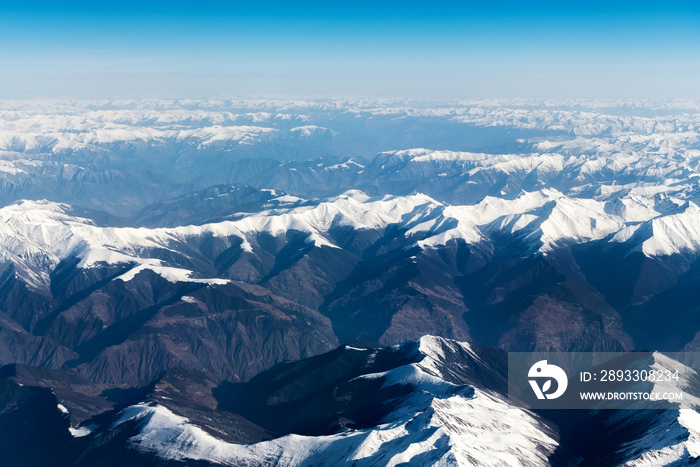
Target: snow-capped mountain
326 256
437 403
436 422
88 152
638 436
431 401
208 245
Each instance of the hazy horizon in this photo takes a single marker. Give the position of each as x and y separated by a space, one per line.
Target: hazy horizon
387 49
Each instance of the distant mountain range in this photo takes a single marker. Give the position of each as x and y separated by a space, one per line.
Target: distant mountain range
196 250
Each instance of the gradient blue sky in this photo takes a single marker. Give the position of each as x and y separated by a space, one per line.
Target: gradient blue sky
365 49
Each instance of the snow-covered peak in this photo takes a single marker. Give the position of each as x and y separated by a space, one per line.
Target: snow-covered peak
37 235
436 423
39 211
664 235
436 348
453 361
578 220
308 131
676 233
662 437
543 219
462 429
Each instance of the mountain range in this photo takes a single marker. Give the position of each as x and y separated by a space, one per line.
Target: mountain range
431 401
176 275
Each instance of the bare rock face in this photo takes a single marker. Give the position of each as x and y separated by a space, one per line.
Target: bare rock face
126 333
19 346
230 331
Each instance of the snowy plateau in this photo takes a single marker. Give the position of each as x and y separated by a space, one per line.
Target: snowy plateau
338 282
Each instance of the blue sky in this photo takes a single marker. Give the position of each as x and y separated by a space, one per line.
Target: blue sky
365 49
